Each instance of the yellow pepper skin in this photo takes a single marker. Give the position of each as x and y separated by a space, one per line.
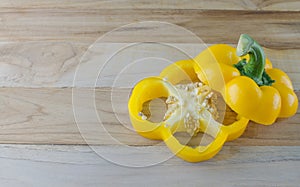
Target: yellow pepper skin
260 104
163 86
179 71
253 88
289 100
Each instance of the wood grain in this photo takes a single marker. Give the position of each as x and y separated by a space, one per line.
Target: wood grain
274 29
53 64
274 5
31 165
50 116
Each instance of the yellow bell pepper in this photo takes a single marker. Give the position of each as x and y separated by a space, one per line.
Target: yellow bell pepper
245 78
252 88
190 109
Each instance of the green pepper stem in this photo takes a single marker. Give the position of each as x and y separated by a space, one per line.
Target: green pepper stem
255 67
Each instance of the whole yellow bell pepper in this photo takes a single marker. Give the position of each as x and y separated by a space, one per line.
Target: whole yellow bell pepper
252 88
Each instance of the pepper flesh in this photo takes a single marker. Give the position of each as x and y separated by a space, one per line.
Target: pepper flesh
262 93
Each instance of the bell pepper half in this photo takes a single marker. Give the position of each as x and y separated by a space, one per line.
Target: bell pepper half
190 109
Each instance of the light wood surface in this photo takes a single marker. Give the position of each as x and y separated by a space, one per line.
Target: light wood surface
55 25
49 165
278 5
58 64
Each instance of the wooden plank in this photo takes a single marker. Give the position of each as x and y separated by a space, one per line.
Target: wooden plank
53 64
271 28
37 64
289 5
79 166
46 116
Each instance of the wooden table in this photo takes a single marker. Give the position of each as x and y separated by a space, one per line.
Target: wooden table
44 144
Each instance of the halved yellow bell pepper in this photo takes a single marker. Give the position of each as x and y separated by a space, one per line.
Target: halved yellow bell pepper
187 111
